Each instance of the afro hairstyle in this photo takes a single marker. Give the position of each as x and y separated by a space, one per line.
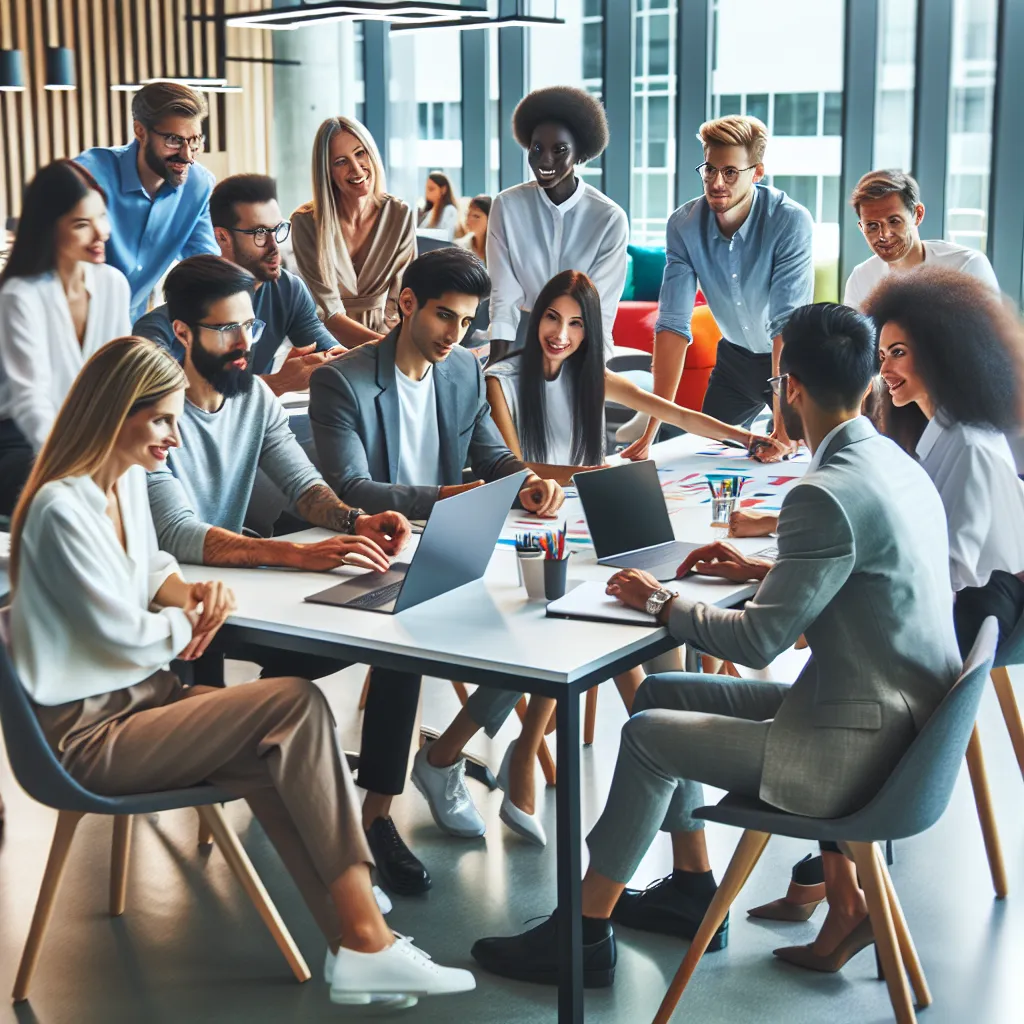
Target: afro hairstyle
575 109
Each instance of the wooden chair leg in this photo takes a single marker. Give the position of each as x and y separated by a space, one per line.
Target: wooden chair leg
119 863
461 692
1011 713
986 816
205 836
365 691
590 717
67 822
869 867
908 952
748 852
238 861
547 762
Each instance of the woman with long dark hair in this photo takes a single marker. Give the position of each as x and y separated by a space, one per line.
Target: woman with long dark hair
59 302
441 206
477 217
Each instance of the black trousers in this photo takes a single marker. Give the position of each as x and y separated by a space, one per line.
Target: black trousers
1002 596
738 388
16 458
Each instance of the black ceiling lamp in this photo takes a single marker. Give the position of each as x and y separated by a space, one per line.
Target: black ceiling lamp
303 14
60 69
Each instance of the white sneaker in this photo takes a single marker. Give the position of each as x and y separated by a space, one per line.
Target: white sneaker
632 430
526 825
384 904
396 1001
401 969
447 796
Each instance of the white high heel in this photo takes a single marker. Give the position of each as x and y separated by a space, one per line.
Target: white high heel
526 825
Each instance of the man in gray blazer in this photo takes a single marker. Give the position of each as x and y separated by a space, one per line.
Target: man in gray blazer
862 573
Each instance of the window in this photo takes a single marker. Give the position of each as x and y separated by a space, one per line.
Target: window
730 104
830 199
971 110
796 113
803 188
832 114
593 49
894 99
357 82
757 106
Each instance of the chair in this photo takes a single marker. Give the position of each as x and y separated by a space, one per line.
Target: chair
43 777
1010 653
912 799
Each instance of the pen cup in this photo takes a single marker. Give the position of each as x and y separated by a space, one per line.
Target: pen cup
722 509
555 570
531 573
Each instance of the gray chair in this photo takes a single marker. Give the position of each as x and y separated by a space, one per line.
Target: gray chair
912 799
1011 652
43 777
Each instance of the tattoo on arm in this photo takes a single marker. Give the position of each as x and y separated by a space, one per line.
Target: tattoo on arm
320 506
224 548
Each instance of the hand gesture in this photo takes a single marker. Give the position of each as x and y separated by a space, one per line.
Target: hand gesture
726 562
632 587
746 522
640 449
208 606
298 367
390 531
542 497
769 448
342 550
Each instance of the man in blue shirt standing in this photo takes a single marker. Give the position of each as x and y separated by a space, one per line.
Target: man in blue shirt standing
749 246
157 195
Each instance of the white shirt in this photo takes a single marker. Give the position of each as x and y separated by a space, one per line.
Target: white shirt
444 229
40 355
419 447
530 240
866 275
973 470
80 619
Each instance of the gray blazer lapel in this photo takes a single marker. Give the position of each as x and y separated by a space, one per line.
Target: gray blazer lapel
387 401
446 394
850 433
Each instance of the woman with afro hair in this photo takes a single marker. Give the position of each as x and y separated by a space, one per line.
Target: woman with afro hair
557 221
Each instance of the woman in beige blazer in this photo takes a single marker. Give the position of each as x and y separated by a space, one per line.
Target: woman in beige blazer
352 241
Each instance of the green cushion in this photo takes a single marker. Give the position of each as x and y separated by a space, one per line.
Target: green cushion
627 288
648 270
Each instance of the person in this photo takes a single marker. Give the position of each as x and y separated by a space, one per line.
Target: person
86 569
231 426
394 424
862 544
475 238
750 246
60 301
158 195
556 222
889 215
250 230
352 241
440 211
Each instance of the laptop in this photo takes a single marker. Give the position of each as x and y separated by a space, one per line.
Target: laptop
457 543
628 519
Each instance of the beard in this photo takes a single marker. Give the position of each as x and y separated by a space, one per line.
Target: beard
159 164
790 420
224 379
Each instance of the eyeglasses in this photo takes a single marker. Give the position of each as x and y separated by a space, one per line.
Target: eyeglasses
175 142
775 383
251 331
730 175
259 236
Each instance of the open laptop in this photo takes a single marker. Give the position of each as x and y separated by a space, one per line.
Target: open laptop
628 519
457 543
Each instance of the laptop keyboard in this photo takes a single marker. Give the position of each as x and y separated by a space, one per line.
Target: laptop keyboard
770 553
651 558
377 598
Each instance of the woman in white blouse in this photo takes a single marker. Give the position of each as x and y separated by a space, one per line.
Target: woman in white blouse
59 303
441 207
97 614
556 222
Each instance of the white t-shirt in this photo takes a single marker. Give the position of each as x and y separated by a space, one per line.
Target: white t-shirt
936 253
419 448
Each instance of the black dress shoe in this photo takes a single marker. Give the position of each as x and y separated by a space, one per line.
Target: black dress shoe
398 868
664 908
533 956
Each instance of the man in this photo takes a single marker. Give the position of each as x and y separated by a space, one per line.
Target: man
863 573
889 215
749 245
249 229
231 426
395 422
157 195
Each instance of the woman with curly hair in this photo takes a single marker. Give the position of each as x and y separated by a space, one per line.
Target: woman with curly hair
556 222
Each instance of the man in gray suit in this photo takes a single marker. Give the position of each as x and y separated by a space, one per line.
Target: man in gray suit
862 574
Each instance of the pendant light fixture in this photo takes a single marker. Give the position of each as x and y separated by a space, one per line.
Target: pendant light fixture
12 71
60 69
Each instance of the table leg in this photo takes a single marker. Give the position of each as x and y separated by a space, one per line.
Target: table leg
569 862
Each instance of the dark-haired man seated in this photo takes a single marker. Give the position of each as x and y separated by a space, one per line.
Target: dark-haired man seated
394 424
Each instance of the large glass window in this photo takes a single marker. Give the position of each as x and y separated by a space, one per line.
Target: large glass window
796 113
972 84
894 100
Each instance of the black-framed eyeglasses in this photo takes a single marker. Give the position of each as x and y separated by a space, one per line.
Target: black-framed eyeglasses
259 236
730 175
172 141
250 330
775 383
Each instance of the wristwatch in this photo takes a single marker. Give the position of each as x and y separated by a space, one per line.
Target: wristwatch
658 600
348 519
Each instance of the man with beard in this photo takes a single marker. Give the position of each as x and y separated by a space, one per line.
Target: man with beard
863 573
157 195
249 228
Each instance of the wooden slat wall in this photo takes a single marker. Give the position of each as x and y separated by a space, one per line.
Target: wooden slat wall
117 41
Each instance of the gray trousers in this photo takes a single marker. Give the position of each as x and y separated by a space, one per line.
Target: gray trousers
685 730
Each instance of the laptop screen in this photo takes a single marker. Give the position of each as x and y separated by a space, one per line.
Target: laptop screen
624 508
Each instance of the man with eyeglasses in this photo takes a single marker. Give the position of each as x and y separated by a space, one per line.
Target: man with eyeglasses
157 195
249 228
749 246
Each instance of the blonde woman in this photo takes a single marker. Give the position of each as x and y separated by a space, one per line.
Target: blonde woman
441 206
352 241
93 654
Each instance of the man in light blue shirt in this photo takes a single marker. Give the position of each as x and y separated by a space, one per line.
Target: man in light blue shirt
157 195
749 246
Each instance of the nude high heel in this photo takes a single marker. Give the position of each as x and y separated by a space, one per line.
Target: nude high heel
802 956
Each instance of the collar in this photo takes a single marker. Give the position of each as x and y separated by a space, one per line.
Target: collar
581 187
936 428
129 166
846 433
88 491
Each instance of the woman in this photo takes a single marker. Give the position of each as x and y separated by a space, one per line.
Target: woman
59 303
950 405
86 569
441 206
548 404
352 241
475 239
556 222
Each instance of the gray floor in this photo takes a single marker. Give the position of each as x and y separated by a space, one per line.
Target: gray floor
190 947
